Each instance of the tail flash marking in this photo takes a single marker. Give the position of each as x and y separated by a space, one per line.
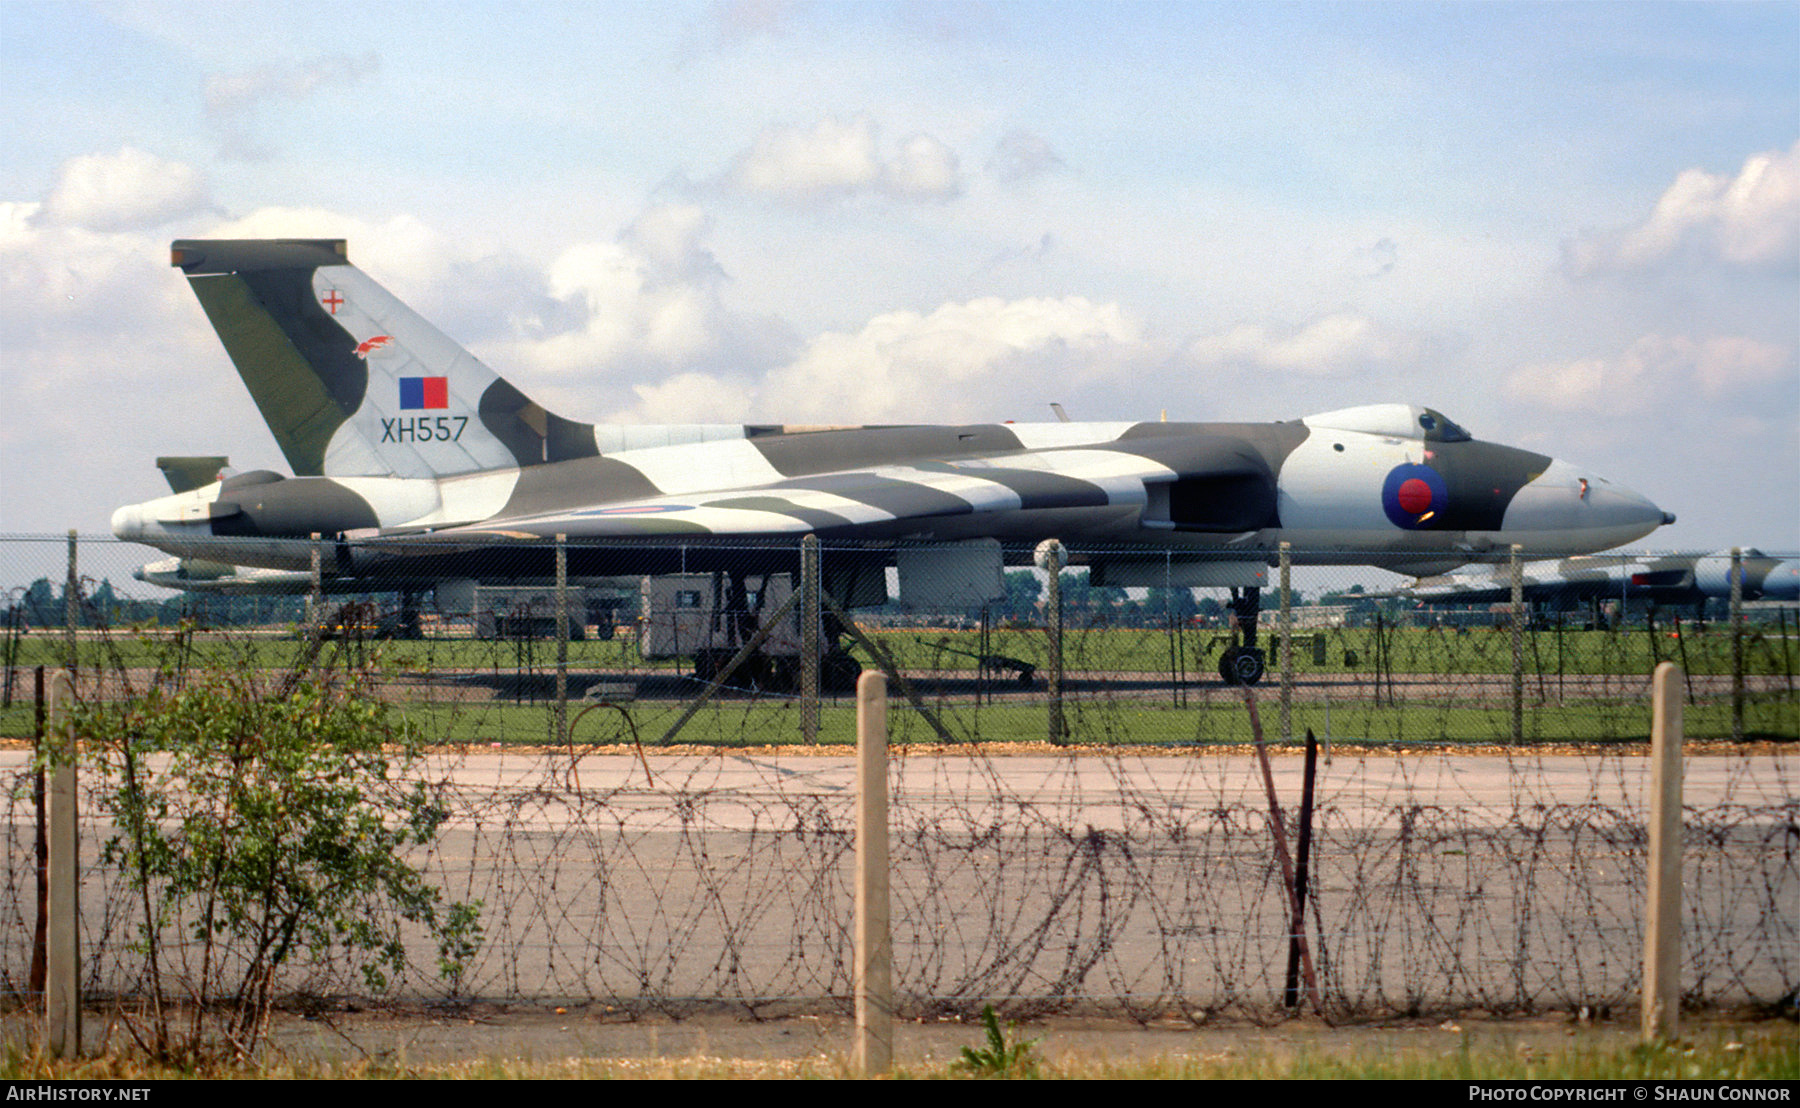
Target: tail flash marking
424 393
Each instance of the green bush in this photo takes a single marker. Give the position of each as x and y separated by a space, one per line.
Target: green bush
268 821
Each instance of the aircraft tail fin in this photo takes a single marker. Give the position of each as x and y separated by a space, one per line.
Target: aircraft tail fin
352 382
188 474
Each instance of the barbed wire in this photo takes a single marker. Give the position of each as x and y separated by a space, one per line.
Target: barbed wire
1102 886
1130 872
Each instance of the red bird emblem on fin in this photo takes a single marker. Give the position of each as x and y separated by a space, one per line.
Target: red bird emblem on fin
369 346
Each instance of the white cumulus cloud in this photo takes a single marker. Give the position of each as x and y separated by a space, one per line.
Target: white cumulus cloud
690 398
233 100
129 190
1748 221
950 364
648 302
837 158
1654 372
1335 346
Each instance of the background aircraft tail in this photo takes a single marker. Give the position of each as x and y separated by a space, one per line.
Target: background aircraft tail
185 474
352 382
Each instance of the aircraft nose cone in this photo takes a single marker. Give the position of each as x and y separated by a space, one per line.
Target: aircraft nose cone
1783 581
1570 509
128 522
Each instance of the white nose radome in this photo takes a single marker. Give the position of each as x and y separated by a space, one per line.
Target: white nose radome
1568 508
128 522
1783 581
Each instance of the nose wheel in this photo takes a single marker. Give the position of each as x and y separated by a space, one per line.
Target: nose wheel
1241 665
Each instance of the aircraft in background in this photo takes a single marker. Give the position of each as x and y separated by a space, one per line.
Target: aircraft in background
417 461
186 474
1667 580
201 575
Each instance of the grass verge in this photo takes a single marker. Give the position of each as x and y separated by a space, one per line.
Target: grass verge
1766 1051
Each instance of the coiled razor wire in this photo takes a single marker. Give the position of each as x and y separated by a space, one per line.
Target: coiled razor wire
1056 883
1061 880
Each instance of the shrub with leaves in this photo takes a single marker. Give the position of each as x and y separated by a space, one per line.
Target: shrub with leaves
268 820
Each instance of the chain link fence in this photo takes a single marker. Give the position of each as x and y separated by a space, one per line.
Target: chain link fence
1352 659
1080 836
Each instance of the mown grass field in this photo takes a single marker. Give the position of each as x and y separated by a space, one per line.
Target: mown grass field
738 723
1125 686
1478 651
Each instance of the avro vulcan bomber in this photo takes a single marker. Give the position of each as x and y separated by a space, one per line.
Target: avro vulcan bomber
414 459
1667 580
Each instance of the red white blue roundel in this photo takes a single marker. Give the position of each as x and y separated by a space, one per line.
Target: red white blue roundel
1414 496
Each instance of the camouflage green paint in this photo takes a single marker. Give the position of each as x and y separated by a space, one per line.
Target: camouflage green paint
187 474
301 410
1482 478
297 508
300 367
533 435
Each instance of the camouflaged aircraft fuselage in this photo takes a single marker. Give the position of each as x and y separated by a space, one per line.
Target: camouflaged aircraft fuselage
421 459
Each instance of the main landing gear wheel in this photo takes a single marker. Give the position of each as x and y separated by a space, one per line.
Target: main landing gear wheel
1241 665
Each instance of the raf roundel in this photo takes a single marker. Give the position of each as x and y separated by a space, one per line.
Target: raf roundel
1414 496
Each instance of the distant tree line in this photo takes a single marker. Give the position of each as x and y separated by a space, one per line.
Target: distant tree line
42 605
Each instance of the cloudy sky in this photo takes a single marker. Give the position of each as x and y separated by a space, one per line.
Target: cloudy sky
1571 227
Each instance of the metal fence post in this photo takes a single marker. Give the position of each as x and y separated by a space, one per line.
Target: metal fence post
874 952
1050 557
809 639
1287 642
1662 924
1518 646
71 608
1737 644
560 715
62 988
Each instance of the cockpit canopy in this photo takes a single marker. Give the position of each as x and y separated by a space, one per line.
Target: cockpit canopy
1397 421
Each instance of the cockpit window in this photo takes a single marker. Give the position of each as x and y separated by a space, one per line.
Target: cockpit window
1439 429
1399 421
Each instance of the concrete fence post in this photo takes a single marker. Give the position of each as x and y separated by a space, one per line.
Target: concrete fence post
1662 916
1050 560
62 956
874 982
809 639
315 596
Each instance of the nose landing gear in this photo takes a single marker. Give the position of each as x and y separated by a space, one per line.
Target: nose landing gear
1244 663
1241 665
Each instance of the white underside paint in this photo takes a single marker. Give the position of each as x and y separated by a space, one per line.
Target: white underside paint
1324 489
711 467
